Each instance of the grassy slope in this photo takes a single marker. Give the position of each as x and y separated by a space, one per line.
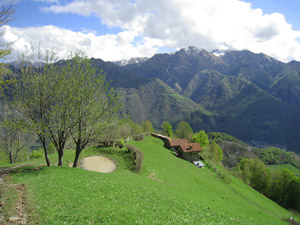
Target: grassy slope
168 191
286 166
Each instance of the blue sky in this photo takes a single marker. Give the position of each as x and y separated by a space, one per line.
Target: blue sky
117 29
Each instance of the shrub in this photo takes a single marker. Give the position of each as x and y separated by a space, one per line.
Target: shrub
139 137
137 156
35 154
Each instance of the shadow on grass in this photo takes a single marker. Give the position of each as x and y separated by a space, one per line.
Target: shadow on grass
20 169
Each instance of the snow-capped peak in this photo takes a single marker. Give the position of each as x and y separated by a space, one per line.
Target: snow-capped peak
219 52
133 60
191 50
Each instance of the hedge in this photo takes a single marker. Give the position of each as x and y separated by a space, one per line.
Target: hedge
137 156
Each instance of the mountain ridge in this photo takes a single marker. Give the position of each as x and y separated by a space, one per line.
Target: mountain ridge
250 96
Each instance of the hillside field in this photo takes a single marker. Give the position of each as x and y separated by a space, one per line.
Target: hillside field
167 191
286 166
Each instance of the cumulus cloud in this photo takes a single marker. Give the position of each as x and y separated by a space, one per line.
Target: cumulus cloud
108 47
210 24
213 24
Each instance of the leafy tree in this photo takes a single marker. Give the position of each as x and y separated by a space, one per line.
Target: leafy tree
183 130
215 152
167 129
6 14
202 139
147 126
34 93
282 186
96 110
246 171
259 179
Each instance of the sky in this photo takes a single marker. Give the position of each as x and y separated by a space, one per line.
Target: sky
120 29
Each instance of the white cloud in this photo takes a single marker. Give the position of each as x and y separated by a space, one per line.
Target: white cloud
108 47
150 25
208 24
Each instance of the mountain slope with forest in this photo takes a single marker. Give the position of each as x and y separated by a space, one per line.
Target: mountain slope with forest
251 96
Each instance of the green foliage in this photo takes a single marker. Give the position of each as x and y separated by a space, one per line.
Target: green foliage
139 137
3 157
35 154
167 129
216 153
147 126
285 166
183 130
137 156
7 11
51 148
272 156
202 139
213 152
217 136
282 186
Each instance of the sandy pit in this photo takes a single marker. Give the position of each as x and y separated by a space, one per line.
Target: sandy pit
98 164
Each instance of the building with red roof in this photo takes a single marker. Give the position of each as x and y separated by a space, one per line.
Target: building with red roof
181 147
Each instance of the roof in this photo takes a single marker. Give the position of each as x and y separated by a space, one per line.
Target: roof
190 147
184 145
177 142
160 136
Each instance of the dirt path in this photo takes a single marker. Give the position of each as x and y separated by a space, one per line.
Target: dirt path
20 217
98 164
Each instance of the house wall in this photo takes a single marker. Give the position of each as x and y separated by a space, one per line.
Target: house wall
190 156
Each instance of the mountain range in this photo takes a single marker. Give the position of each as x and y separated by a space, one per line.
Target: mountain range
252 97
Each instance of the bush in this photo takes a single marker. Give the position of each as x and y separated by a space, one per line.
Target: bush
139 137
35 154
137 156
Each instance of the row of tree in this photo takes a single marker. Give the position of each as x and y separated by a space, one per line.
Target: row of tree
282 186
58 101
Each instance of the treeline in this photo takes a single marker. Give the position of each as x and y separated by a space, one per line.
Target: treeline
282 186
274 156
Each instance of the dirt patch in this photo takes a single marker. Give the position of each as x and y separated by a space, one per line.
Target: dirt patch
98 164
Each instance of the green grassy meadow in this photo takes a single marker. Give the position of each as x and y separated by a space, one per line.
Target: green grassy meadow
167 191
286 166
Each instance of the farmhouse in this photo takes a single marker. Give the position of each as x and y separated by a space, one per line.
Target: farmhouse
182 148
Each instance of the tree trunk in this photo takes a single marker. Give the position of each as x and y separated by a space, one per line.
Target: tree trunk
77 153
10 158
60 158
45 152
